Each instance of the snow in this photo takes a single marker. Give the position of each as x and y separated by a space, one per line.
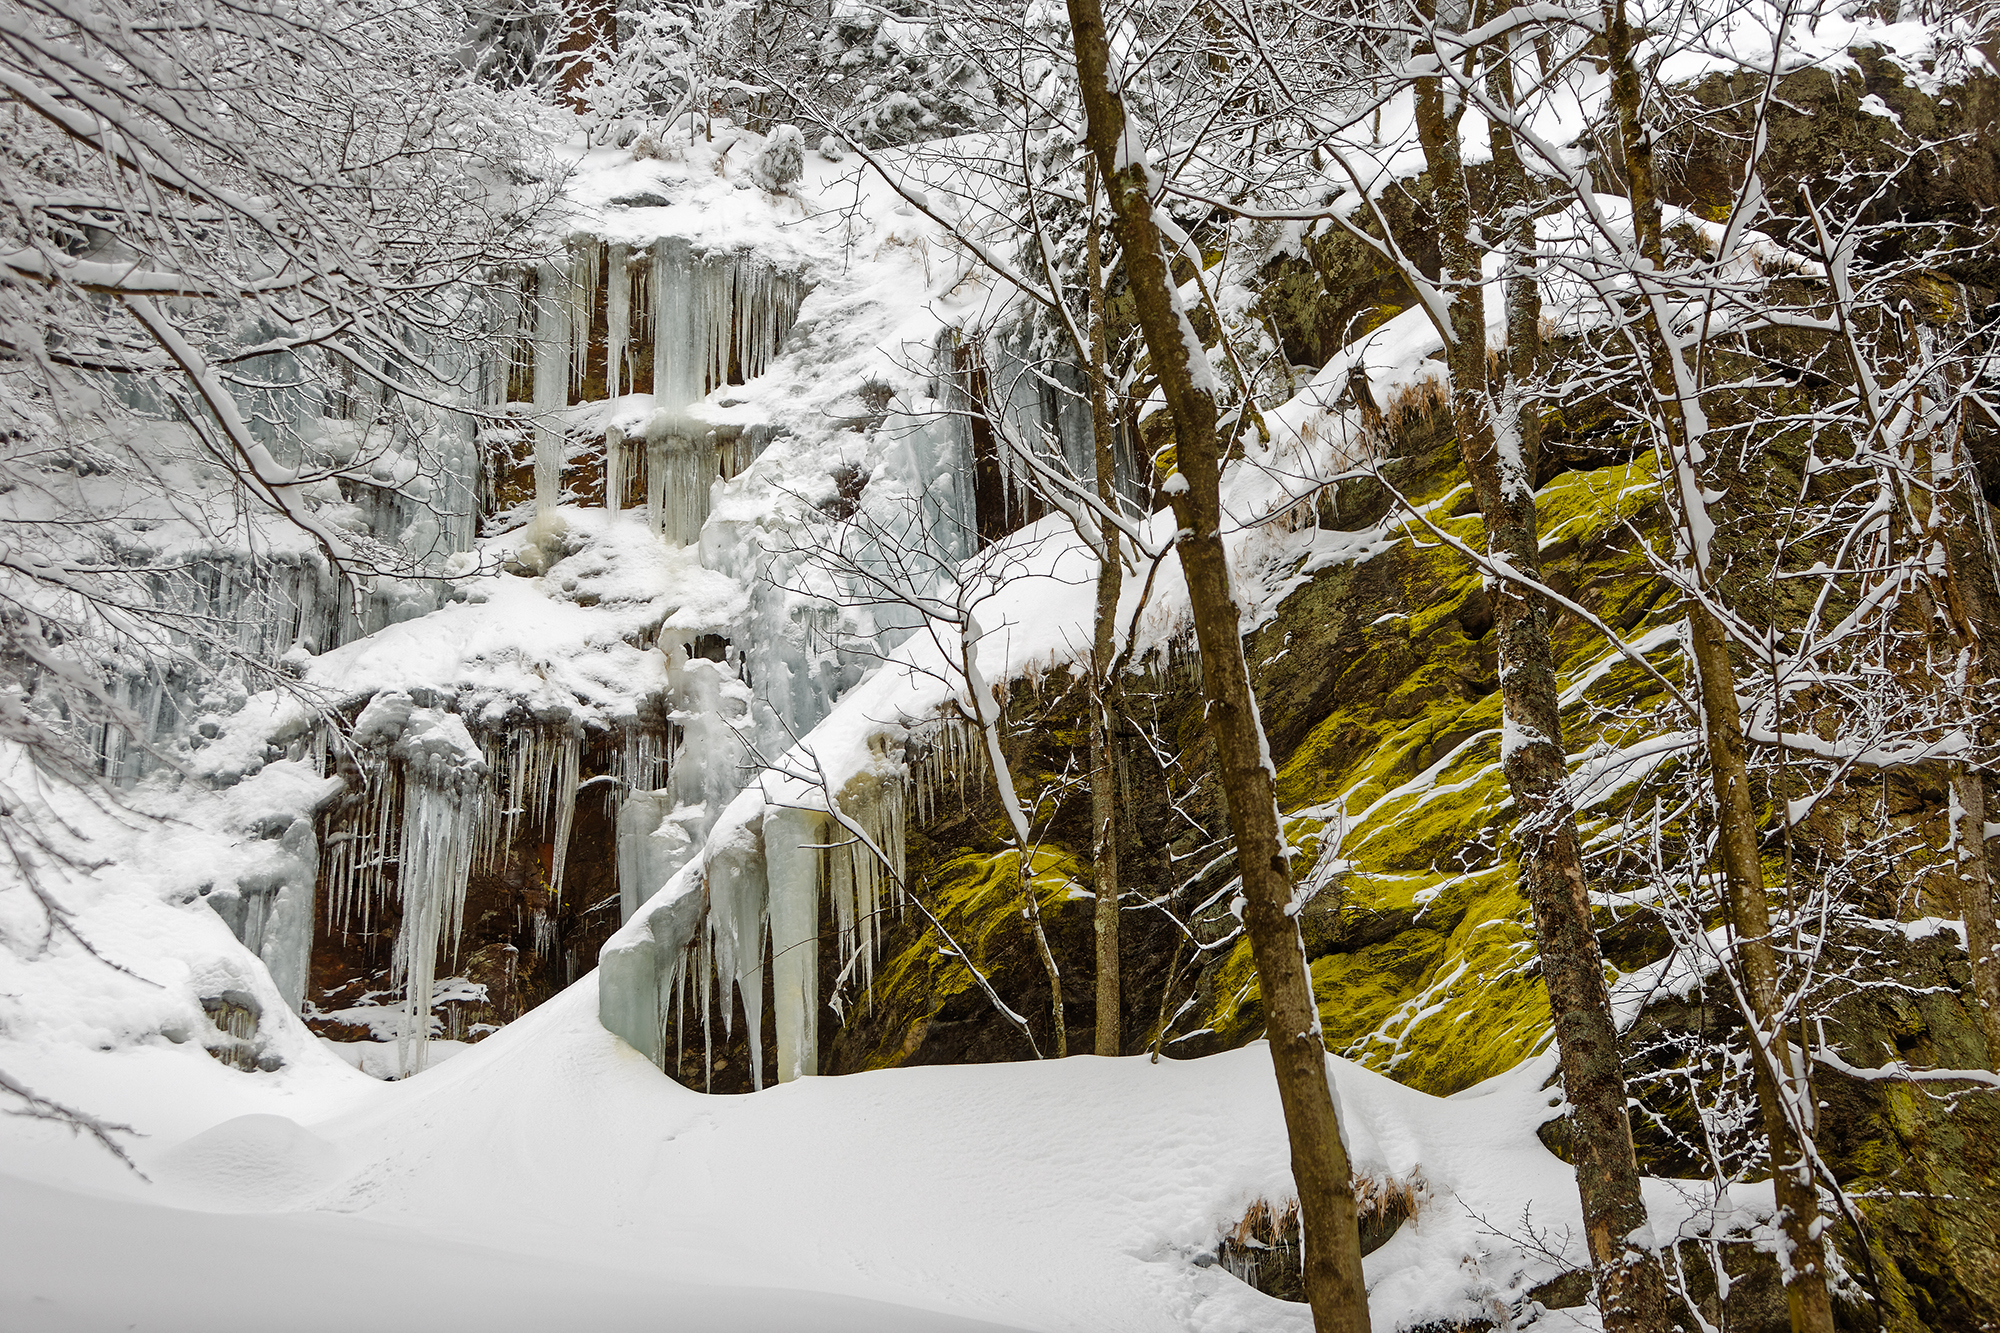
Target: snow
551 1166
554 1152
384 1273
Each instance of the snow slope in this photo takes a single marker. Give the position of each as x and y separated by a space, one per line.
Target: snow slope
552 1173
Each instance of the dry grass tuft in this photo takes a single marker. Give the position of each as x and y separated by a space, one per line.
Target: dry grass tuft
1263 1248
1414 419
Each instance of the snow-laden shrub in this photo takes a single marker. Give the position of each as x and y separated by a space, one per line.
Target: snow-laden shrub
899 73
781 161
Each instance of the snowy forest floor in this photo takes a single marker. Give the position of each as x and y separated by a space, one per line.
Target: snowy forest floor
550 1175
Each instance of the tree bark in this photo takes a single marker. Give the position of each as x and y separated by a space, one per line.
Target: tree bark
1964 587
1320 1167
1975 902
1498 441
1780 1079
1103 703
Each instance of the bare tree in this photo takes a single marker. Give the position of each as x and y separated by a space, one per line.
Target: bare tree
907 580
1320 1166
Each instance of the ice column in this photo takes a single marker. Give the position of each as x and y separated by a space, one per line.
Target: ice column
584 271
736 932
650 848
793 840
1046 406
681 334
436 857
941 456
659 830
617 320
270 907
552 373
680 476
614 469
854 864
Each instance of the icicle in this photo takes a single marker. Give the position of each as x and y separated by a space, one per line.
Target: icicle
705 966
614 469
428 785
584 268
552 368
617 321
676 378
563 780
736 930
680 474
434 860
792 842
714 314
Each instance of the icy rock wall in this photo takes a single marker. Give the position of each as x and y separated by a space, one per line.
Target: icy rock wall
1037 404
429 805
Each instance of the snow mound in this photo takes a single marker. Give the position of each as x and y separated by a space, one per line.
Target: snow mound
252 1164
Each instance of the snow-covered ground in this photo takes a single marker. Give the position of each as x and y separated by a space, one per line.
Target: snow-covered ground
552 1174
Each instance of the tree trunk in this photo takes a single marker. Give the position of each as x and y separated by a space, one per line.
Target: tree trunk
1975 902
1320 1167
1103 703
1780 1081
1498 441
585 26
1032 910
1750 917
986 715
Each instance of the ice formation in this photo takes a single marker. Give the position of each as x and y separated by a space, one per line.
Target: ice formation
709 318
996 381
642 339
786 856
423 788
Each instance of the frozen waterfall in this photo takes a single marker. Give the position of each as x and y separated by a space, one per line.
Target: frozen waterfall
780 863
677 322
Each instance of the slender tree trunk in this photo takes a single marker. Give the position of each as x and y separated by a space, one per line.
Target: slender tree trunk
1103 702
1975 902
1320 1167
1499 438
1940 468
986 716
1032 909
1781 1082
